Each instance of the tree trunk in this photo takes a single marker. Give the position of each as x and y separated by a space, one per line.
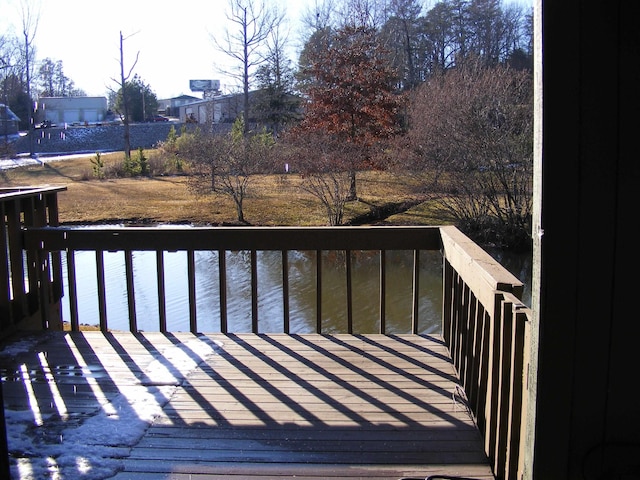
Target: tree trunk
240 212
353 194
127 137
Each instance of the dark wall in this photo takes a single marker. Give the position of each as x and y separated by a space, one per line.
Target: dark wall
587 424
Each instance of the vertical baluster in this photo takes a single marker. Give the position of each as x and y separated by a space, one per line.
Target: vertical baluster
517 420
347 260
73 291
505 357
493 371
463 333
5 284
459 289
484 372
416 291
131 296
33 279
254 292
475 349
469 340
20 308
56 257
222 275
447 299
383 291
191 272
318 291
102 302
285 290
43 292
162 299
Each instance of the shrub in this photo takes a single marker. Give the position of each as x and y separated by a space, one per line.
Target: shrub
97 166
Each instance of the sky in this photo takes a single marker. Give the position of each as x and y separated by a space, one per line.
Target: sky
174 43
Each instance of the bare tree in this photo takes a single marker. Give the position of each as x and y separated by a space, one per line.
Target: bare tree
320 15
125 101
321 159
474 126
364 13
275 105
252 23
400 35
225 163
30 19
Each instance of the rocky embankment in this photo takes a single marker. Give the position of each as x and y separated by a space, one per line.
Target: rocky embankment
93 138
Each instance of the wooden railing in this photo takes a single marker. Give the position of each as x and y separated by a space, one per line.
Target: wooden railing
30 281
485 325
227 239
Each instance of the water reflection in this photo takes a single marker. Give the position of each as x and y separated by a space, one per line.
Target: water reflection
302 291
519 264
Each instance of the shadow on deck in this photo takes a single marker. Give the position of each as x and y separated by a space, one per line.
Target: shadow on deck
182 405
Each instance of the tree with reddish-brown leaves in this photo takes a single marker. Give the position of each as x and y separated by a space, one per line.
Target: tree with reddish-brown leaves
350 97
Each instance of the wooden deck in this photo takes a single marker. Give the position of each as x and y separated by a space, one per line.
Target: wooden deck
154 406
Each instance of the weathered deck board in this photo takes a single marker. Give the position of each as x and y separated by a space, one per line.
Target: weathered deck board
245 406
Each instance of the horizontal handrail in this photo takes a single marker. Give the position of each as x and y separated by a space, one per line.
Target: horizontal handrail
481 271
233 238
9 193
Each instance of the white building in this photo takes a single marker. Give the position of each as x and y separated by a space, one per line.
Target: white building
71 110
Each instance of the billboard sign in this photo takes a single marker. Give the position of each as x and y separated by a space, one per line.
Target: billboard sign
204 85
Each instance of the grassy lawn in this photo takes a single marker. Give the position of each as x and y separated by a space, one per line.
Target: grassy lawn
271 200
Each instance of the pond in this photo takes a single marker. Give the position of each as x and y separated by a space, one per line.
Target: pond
302 291
519 264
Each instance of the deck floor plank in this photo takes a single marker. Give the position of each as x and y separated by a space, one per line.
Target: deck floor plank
244 405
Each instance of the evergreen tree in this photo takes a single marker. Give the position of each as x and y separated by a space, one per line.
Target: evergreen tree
142 101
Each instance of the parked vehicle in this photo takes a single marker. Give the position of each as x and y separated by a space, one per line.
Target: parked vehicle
157 118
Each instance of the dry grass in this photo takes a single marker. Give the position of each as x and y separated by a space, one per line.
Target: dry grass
272 199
